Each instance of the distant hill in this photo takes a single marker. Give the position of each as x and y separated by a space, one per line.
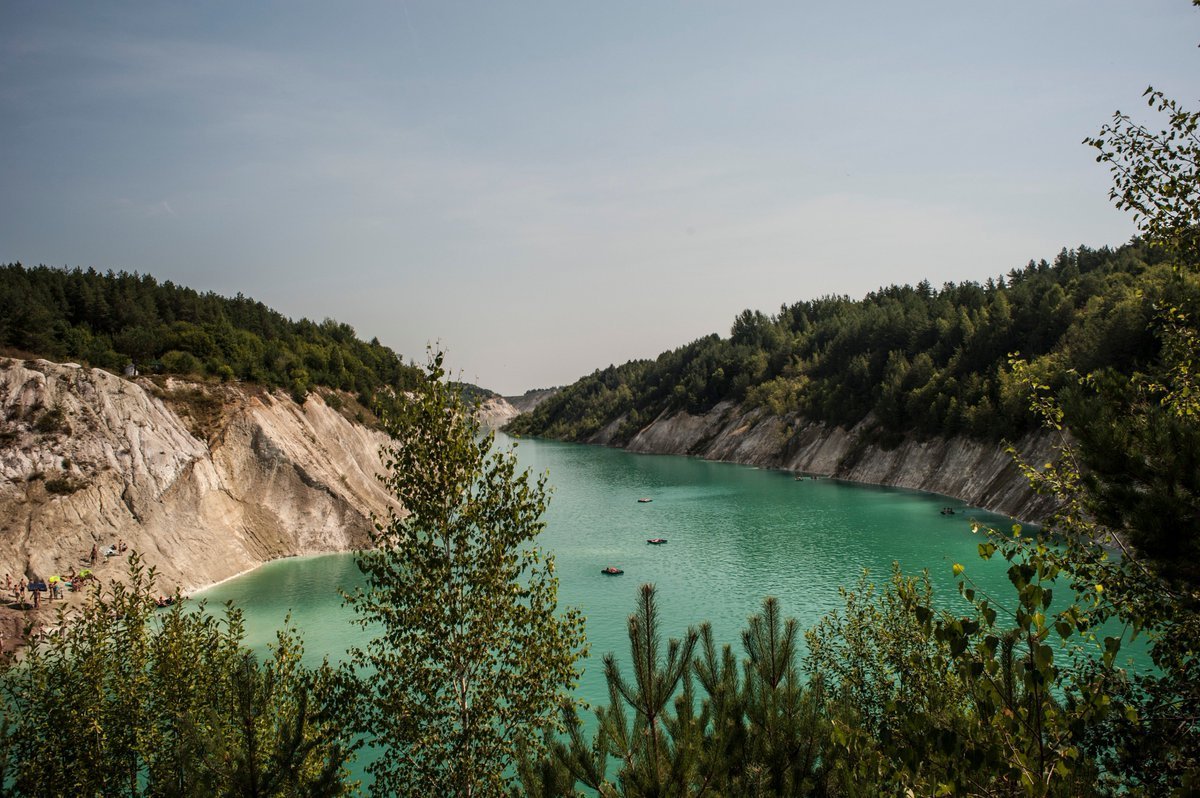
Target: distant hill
113 319
472 393
906 359
531 398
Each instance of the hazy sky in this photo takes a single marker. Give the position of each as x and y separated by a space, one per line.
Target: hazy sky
547 188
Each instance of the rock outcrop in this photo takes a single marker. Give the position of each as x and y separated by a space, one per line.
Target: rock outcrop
529 400
207 481
495 411
981 474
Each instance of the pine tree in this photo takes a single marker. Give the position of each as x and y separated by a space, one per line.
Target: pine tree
784 724
655 748
694 720
650 764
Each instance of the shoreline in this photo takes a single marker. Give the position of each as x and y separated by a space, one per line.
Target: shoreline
794 472
193 591
17 624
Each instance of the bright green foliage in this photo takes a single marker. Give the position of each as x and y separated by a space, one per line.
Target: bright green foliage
1126 535
1150 740
901 712
1031 704
902 699
1013 698
1140 455
470 658
1020 695
126 699
1017 697
1156 173
864 656
1138 437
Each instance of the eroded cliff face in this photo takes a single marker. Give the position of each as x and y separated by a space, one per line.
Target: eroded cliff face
494 412
981 474
205 481
209 481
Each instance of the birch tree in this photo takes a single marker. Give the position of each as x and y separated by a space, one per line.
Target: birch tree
470 656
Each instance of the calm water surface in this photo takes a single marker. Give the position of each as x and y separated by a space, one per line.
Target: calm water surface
736 534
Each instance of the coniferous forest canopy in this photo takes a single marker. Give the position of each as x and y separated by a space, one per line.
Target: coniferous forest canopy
108 320
916 359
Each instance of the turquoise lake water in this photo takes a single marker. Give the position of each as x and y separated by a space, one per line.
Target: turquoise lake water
736 534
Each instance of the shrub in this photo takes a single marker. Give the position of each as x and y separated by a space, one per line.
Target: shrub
52 421
176 362
62 486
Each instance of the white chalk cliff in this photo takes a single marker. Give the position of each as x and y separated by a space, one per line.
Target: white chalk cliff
207 481
494 412
979 473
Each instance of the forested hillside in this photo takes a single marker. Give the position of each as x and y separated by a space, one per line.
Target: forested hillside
921 360
108 320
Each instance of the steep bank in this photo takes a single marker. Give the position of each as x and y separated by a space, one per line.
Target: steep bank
212 480
531 399
495 411
980 474
206 481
